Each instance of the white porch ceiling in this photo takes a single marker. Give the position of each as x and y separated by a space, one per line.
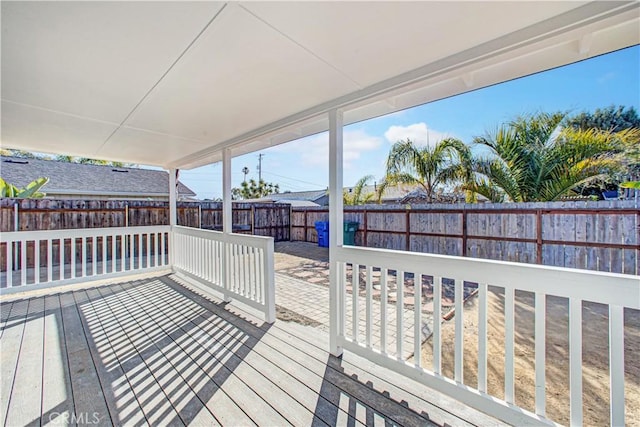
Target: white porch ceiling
173 83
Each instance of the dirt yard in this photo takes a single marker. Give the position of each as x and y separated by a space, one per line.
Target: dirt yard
595 356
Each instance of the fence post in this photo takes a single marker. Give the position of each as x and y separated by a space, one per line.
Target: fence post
305 225
539 236
253 219
464 231
408 230
365 225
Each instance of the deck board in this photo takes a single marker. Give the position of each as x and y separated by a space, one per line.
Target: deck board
10 346
57 396
123 404
267 380
26 394
5 313
157 351
87 392
150 394
263 412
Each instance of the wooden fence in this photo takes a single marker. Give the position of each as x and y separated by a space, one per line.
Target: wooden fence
593 235
602 236
45 214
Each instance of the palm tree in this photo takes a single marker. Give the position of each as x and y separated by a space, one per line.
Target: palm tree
357 196
429 167
535 158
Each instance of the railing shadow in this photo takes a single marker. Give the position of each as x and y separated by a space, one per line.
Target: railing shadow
136 352
345 400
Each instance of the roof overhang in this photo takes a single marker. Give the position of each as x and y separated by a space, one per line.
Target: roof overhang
174 83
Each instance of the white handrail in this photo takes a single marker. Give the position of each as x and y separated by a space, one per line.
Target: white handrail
56 257
618 291
238 266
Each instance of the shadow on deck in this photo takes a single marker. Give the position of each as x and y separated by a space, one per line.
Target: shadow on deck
157 351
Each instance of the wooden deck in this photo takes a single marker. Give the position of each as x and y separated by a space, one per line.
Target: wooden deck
156 351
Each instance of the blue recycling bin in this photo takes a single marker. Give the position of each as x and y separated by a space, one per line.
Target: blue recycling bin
322 227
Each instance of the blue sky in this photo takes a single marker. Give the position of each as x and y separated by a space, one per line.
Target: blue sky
303 164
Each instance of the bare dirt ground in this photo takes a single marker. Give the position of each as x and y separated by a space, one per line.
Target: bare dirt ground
595 348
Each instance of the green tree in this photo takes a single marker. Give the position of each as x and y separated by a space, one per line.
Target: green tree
88 161
535 158
30 191
358 195
254 190
611 118
429 167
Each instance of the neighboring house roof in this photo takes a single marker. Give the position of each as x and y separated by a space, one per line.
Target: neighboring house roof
391 193
311 196
75 178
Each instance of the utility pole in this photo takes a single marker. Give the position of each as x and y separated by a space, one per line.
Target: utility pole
260 156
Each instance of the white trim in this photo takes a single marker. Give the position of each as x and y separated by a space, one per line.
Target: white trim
336 219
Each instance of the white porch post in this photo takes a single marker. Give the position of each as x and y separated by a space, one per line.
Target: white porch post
335 226
173 212
227 219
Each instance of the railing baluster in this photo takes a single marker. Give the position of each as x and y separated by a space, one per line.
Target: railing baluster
61 272
49 260
73 257
23 263
84 257
482 337
114 256
437 319
459 337
140 253
509 354
123 252
10 264
104 254
254 275
616 365
263 278
399 313
156 246
369 308
131 241
575 360
355 287
243 263
36 261
383 310
163 250
148 239
94 256
540 349
417 319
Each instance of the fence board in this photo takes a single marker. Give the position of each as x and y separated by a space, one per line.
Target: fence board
593 235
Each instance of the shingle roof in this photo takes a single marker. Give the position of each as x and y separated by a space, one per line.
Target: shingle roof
75 178
300 195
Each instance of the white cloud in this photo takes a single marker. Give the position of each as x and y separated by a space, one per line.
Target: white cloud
417 132
314 150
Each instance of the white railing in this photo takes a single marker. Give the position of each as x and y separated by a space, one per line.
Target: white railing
55 257
379 321
238 266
